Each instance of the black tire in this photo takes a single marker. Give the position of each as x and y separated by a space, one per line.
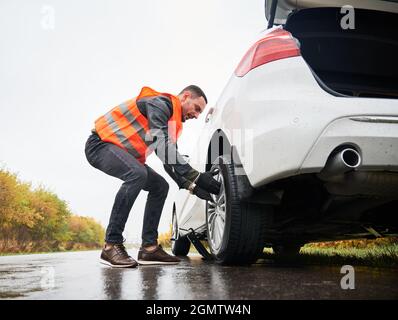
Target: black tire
243 237
179 245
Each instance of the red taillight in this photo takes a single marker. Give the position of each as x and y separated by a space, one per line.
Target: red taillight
278 44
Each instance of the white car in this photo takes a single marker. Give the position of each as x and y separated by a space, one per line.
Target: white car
304 135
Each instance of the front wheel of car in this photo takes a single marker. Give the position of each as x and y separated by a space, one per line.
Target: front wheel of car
179 245
235 229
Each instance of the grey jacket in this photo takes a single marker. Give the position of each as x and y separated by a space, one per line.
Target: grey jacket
158 110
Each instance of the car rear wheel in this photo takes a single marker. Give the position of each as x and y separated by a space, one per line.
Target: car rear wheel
234 228
179 245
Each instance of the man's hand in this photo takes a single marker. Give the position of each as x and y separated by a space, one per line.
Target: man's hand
202 194
206 181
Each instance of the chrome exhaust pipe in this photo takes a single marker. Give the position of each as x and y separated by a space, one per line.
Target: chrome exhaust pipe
344 161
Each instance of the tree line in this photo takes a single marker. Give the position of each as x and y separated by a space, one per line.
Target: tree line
33 220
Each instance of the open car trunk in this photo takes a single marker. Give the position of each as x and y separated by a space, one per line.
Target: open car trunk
355 62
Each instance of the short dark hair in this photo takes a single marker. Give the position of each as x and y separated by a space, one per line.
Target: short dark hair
198 92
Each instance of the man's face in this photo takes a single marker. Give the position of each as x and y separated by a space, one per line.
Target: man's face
191 107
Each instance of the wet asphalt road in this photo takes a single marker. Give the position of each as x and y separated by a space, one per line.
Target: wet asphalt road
79 275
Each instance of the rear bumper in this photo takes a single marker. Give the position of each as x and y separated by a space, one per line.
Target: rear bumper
374 137
293 150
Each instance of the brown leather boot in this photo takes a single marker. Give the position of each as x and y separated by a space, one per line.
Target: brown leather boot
156 256
115 255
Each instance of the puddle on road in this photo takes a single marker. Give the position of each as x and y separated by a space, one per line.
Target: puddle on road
18 281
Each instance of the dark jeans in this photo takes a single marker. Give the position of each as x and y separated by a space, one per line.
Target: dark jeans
118 163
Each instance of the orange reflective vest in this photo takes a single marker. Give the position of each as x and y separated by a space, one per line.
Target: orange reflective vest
126 127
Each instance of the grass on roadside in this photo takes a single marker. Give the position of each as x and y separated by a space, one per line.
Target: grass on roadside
378 256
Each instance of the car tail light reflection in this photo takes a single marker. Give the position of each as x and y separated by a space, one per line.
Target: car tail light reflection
278 44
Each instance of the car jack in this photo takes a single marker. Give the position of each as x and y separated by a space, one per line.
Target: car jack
192 236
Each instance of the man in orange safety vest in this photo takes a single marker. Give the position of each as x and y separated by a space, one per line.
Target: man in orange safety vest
119 146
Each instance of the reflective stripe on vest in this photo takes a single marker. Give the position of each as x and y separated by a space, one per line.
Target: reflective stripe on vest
126 127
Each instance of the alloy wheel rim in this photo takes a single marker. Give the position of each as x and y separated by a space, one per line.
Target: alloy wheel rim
216 212
174 227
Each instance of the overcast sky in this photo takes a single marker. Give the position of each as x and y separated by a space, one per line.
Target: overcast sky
65 63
